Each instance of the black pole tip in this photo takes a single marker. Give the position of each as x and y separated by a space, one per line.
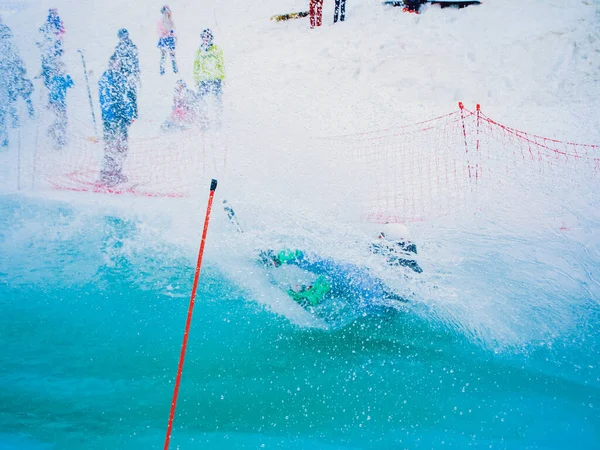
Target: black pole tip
213 184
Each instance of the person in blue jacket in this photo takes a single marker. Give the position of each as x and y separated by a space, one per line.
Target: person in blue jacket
57 101
13 83
129 62
118 113
50 42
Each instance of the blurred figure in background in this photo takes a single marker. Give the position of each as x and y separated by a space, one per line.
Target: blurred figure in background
393 244
57 101
23 87
13 84
183 113
54 25
127 54
209 74
167 39
117 116
51 45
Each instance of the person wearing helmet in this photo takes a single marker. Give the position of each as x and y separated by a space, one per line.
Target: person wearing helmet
166 39
209 74
127 54
393 245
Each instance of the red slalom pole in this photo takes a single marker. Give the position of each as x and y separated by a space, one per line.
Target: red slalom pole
213 187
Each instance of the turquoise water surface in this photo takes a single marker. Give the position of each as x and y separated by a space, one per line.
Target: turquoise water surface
91 329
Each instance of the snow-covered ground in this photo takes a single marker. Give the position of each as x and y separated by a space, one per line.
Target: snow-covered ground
531 64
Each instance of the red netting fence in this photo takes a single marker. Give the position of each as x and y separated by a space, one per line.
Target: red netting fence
440 166
168 165
455 162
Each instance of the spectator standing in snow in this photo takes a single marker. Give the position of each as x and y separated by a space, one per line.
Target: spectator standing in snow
183 113
340 10
51 51
57 101
166 39
51 45
117 115
127 54
7 58
54 25
209 74
316 13
12 83
23 87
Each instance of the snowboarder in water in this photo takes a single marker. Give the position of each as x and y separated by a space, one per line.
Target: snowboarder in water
209 74
166 39
393 245
333 279
117 115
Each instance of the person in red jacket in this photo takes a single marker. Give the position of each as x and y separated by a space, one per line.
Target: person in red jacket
316 13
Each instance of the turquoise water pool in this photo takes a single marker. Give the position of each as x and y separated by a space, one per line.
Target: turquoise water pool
91 329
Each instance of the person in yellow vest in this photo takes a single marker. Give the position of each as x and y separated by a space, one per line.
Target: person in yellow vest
209 74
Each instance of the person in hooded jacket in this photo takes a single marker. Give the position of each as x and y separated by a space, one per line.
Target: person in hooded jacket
54 25
57 101
129 62
50 43
117 116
